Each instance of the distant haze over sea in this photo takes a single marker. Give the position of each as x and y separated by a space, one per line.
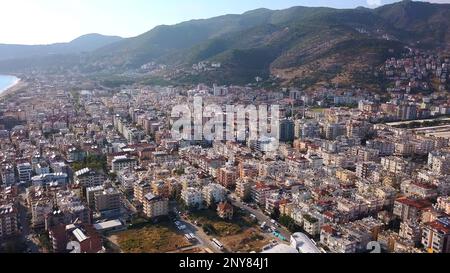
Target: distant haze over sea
7 82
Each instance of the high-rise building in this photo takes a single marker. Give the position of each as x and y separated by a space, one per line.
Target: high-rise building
287 130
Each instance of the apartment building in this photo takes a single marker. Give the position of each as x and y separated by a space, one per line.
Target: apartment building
311 224
407 208
89 178
396 165
436 236
155 206
24 171
247 170
40 204
7 174
439 162
227 177
364 170
42 168
411 231
272 203
243 188
443 204
108 202
48 178
419 189
336 241
213 194
120 163
192 197
261 191
90 194
140 190
8 220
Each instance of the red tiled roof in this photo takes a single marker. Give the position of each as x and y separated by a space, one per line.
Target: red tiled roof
224 206
424 185
419 203
328 229
440 227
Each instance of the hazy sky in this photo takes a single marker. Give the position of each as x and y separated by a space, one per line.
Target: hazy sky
49 21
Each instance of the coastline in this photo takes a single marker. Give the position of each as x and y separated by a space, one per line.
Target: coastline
14 87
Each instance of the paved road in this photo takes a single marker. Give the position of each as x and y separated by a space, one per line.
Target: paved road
260 216
203 239
30 240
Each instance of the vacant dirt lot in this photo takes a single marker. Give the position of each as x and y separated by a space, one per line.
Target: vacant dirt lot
249 240
150 239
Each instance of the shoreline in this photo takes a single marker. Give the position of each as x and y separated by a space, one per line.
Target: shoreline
11 85
12 88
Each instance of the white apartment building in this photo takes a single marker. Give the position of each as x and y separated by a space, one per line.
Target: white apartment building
192 197
214 193
120 163
88 178
24 171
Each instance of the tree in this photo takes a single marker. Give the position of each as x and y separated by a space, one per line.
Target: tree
180 171
289 223
275 214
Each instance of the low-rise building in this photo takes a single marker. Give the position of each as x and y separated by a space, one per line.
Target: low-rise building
225 210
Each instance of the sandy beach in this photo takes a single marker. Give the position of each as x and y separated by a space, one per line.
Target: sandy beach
13 88
11 85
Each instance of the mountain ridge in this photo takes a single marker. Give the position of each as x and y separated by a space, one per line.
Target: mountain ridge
301 45
84 43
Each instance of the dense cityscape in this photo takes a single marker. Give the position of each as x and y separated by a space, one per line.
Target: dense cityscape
97 170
